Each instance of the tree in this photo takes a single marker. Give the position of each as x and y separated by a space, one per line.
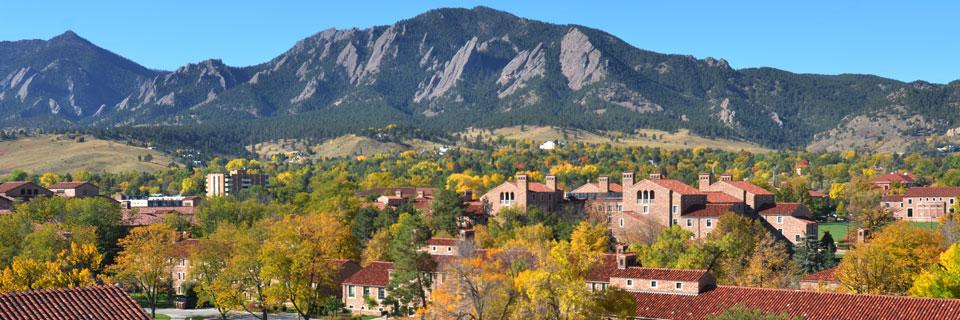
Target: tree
809 257
741 313
478 287
411 277
447 212
590 237
208 264
299 257
242 284
942 279
888 263
48 179
146 260
672 243
378 248
769 265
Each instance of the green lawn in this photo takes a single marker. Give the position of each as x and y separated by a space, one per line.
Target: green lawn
926 225
838 230
161 316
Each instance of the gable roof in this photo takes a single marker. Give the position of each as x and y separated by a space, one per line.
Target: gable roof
807 304
720 197
536 187
709 210
99 302
827 275
69 185
10 185
607 268
895 177
816 194
441 241
891 198
376 274
783 209
750 187
932 192
677 186
594 187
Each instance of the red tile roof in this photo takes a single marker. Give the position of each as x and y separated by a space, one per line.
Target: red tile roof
441 242
100 302
593 187
932 192
376 274
601 271
475 207
68 185
709 210
749 187
676 185
720 197
536 187
182 248
816 194
783 209
806 304
895 177
607 268
892 198
822 275
10 185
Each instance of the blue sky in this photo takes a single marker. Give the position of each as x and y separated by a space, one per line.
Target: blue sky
904 40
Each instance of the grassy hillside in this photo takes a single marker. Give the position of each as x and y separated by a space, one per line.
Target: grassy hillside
682 139
62 154
343 146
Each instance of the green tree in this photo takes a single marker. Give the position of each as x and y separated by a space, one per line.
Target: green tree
672 243
146 261
447 211
942 279
411 277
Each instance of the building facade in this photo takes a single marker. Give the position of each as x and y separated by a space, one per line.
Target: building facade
922 204
223 184
523 194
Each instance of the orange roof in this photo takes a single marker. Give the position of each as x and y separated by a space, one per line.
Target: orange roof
816 194
98 302
7 186
535 187
594 187
783 209
892 198
806 304
932 192
749 187
720 197
826 275
441 242
709 210
895 177
677 186
68 185
376 274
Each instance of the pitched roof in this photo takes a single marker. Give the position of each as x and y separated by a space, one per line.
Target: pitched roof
750 187
100 302
709 210
10 185
932 192
807 304
405 191
891 198
783 209
475 207
822 275
594 187
68 185
607 268
376 274
816 194
535 187
720 197
441 242
601 271
676 185
895 177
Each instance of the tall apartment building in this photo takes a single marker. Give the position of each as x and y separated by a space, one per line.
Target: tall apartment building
220 184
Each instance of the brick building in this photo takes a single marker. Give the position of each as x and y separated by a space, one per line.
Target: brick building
921 204
79 189
223 184
890 181
523 194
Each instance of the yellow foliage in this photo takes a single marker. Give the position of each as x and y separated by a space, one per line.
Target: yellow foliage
48 179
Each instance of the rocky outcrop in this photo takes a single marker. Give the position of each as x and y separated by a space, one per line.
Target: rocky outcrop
348 60
726 114
580 62
527 65
441 82
380 48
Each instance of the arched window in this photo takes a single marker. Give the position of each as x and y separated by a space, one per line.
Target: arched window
651 196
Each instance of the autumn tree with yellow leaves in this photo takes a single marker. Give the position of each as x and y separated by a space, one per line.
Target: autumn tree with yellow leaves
146 260
890 261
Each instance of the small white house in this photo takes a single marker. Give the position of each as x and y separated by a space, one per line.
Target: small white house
549 145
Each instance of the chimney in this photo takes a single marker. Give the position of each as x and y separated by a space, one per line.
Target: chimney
604 184
726 177
551 181
627 179
704 181
621 257
654 176
522 182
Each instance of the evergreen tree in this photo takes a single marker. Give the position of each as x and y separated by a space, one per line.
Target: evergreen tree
448 209
809 257
411 277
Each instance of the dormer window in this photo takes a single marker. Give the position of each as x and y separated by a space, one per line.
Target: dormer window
653 283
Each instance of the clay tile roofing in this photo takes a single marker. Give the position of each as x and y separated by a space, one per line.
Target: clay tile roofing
932 192
100 302
442 241
822 275
892 198
782 209
720 197
895 177
535 187
376 274
808 305
594 187
67 185
709 210
749 187
677 186
7 186
816 194
659 274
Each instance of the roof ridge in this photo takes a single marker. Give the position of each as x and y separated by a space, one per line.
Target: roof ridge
837 293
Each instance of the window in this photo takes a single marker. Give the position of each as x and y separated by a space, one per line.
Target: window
180 275
797 238
507 198
909 212
653 283
621 222
709 223
679 285
780 219
674 222
381 293
674 209
366 292
350 293
909 201
619 207
629 282
433 248
646 209
449 249
689 222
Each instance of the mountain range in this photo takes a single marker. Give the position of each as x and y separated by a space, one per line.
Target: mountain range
450 69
